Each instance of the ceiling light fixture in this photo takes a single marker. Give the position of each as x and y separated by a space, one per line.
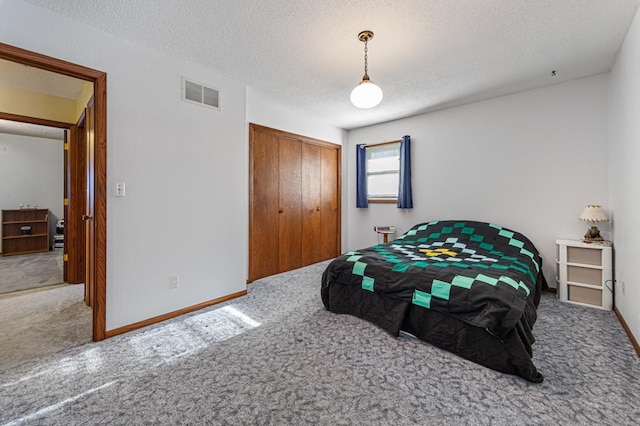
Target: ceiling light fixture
366 94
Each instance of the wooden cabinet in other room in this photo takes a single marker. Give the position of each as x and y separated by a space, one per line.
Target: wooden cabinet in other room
25 231
294 212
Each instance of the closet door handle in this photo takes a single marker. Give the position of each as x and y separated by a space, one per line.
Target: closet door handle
86 217
280 211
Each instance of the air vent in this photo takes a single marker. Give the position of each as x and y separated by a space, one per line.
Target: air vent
200 94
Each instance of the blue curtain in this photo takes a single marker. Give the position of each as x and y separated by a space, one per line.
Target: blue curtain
405 201
361 177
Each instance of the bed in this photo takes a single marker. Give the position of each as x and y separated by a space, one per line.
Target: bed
471 288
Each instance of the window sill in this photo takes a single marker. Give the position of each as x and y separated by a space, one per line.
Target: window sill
383 201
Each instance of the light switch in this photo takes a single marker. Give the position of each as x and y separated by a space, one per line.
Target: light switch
118 189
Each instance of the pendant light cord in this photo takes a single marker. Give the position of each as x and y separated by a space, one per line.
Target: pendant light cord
366 57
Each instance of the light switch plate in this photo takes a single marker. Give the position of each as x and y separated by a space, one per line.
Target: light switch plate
119 189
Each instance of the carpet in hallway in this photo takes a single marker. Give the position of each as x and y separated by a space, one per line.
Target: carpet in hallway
27 271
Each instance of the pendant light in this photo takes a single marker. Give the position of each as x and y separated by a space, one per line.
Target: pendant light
366 94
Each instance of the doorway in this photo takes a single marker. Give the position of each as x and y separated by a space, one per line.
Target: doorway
96 220
32 201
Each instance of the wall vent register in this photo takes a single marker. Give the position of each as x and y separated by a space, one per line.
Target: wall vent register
200 94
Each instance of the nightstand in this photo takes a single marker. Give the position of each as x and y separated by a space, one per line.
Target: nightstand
385 231
584 273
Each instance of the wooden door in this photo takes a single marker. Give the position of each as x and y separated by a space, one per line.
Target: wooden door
290 202
77 226
311 249
293 180
74 227
65 210
90 231
331 236
264 200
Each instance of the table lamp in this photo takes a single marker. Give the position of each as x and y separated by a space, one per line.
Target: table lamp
593 213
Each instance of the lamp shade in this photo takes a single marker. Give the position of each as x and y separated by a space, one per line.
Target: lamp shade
366 94
593 213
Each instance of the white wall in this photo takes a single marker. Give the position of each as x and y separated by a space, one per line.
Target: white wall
529 161
32 172
185 166
263 110
625 175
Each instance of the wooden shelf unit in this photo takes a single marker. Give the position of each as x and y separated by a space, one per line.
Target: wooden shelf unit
584 273
14 242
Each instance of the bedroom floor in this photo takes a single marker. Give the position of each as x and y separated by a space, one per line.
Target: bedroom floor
277 356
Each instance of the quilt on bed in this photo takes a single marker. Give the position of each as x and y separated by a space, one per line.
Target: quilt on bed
480 274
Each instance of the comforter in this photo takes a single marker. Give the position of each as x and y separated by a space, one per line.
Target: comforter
468 274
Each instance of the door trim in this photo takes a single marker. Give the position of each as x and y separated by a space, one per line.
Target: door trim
99 79
35 120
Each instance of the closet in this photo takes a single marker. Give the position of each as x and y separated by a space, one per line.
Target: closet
294 201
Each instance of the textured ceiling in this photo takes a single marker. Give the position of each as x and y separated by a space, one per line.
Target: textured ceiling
25 77
33 130
425 55
28 78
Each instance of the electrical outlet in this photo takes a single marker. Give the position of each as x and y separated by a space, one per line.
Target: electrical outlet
174 281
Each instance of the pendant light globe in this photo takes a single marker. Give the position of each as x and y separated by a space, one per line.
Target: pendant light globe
366 94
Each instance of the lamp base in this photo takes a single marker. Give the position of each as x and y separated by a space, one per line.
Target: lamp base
592 235
592 240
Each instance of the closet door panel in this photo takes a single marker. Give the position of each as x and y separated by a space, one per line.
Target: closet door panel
311 207
330 237
263 259
294 201
290 201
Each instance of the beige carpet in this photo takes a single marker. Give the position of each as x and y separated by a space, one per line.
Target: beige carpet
27 271
39 323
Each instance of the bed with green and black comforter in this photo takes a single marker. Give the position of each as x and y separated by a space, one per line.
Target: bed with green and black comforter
471 288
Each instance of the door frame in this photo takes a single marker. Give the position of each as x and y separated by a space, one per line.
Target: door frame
99 80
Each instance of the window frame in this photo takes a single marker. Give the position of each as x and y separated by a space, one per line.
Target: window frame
383 200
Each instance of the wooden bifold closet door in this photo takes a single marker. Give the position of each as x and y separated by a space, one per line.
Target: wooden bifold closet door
294 206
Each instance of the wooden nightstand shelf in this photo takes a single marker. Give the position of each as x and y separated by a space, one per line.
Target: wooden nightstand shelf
584 273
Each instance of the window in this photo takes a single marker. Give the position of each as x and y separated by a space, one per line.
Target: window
383 164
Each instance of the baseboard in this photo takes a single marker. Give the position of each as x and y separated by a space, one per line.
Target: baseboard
164 317
633 340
